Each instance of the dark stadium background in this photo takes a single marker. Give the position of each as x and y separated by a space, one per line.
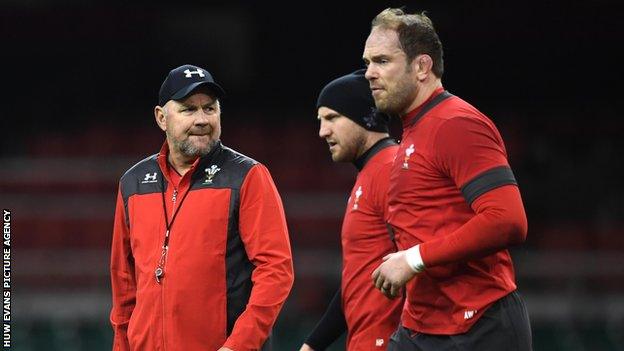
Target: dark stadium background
81 79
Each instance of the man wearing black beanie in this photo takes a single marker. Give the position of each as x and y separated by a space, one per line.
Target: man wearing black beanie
356 132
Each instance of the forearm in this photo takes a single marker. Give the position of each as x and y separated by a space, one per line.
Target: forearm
123 282
500 221
271 286
331 326
123 306
264 233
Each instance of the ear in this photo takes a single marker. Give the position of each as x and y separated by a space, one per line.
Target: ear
161 117
422 66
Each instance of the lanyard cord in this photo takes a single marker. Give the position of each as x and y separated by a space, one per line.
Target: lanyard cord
160 268
175 214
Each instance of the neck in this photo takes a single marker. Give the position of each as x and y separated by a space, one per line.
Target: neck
371 139
424 92
180 163
379 143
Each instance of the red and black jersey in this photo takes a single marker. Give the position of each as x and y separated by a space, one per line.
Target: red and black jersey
360 309
371 317
451 166
228 267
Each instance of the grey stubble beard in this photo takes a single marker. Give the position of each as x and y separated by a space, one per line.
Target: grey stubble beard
190 150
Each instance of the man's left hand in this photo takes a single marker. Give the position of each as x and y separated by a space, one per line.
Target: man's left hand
392 274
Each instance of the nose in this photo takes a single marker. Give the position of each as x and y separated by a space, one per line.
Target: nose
202 118
371 73
324 130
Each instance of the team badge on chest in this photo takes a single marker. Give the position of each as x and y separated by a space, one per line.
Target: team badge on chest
210 173
358 193
408 153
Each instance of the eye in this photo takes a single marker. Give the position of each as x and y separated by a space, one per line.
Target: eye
383 60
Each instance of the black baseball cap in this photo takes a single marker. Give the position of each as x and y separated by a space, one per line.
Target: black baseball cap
350 95
182 81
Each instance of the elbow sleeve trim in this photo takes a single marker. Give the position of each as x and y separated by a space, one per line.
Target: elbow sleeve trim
486 181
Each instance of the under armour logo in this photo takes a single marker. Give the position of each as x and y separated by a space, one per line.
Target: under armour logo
188 73
149 178
371 119
379 342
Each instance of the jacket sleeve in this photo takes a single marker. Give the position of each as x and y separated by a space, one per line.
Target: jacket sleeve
263 230
122 278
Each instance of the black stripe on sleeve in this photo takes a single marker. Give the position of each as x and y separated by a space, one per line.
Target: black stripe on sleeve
486 181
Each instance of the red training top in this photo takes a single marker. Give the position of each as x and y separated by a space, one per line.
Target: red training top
452 191
371 317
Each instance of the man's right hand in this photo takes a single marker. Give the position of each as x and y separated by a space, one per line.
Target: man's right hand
306 347
392 275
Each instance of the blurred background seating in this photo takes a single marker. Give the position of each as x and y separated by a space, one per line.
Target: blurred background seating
84 79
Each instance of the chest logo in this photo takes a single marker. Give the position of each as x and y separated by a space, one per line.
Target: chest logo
408 153
210 173
379 342
149 178
358 193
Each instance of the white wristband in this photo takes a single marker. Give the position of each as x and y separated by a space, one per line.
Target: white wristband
412 255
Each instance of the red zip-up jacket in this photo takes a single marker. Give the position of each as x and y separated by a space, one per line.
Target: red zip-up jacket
228 266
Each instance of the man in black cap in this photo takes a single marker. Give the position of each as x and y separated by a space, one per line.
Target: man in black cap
356 132
200 257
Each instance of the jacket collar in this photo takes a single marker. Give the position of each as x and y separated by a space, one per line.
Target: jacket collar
198 164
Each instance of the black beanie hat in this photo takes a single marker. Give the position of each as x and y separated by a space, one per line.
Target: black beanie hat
351 96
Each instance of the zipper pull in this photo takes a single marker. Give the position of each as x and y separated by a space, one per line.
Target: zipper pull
175 196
